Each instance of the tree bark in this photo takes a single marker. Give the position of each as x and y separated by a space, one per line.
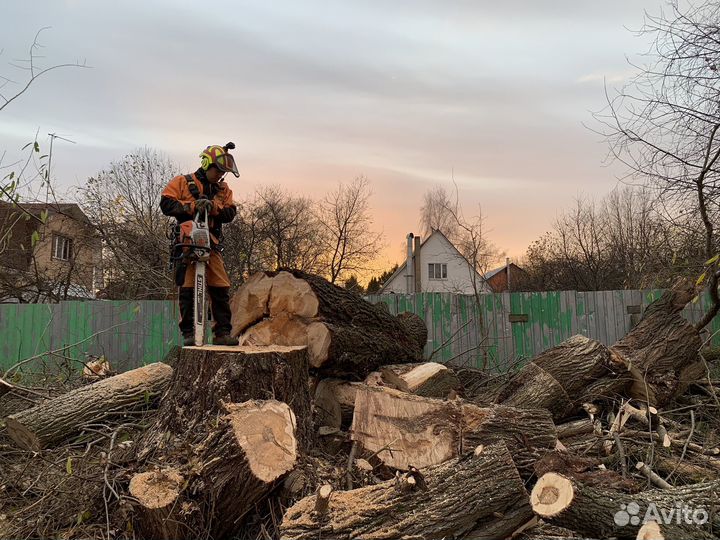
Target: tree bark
61 417
447 500
562 378
660 347
584 470
406 430
599 512
234 466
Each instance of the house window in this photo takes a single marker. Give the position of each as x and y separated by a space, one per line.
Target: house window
437 271
62 248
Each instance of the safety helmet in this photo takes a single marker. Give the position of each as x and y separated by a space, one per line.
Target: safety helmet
219 156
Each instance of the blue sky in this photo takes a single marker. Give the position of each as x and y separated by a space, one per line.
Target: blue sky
406 93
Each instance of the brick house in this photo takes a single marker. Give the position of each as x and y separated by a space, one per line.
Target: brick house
48 252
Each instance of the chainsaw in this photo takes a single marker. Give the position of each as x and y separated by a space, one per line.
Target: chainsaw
201 247
192 245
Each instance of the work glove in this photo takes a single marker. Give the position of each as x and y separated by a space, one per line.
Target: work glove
203 204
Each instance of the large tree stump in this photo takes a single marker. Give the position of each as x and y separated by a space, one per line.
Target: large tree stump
606 513
205 377
61 417
229 471
406 431
345 334
232 424
444 501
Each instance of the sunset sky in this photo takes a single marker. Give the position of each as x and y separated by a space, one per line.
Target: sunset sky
406 93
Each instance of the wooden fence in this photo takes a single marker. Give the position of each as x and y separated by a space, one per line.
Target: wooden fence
518 326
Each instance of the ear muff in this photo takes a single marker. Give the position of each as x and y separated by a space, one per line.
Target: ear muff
205 162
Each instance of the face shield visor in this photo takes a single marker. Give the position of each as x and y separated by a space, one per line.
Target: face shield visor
226 163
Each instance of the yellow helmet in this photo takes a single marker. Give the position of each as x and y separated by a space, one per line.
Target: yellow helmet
220 157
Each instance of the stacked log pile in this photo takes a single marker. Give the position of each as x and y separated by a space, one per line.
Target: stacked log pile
326 423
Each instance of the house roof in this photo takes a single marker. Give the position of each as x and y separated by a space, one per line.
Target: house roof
72 210
403 265
491 273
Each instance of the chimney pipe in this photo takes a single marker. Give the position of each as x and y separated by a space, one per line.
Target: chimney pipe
409 281
416 266
507 271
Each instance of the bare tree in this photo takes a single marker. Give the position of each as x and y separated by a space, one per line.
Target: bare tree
476 250
349 242
291 231
621 242
123 203
663 124
438 213
245 242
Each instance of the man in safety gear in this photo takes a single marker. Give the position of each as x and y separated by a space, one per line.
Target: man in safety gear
182 198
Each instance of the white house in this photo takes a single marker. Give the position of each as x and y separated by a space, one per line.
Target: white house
435 265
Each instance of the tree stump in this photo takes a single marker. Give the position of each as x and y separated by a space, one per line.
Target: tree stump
205 377
232 424
227 473
61 417
443 501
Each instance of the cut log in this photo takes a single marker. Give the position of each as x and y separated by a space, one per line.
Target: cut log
205 377
684 469
652 475
344 333
605 513
448 500
157 493
334 403
57 419
562 378
428 379
235 465
292 295
585 470
250 303
533 387
415 326
406 430
660 348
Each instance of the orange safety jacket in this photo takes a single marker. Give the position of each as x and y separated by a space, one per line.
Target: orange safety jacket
178 201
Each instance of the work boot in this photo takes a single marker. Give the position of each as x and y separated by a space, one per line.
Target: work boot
188 340
225 339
